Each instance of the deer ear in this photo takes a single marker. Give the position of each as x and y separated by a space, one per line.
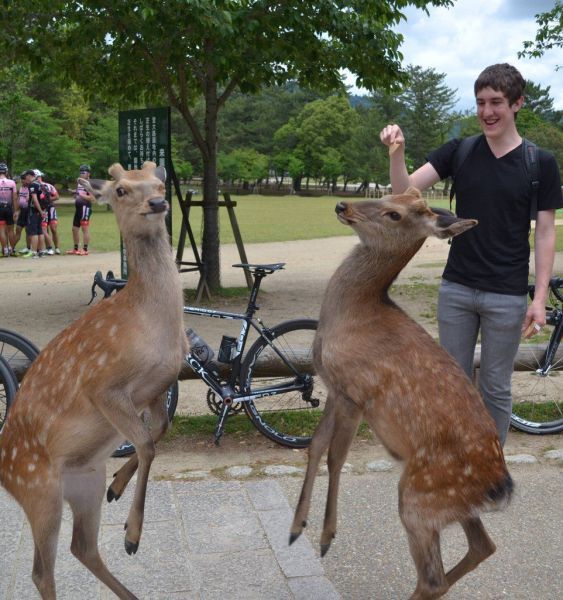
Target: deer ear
117 171
160 172
412 191
448 225
97 187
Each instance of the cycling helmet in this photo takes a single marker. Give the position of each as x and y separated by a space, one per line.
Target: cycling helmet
38 173
3 168
84 168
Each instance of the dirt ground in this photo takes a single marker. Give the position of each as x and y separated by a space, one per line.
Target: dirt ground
41 297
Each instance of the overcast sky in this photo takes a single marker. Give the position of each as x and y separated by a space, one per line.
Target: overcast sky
461 41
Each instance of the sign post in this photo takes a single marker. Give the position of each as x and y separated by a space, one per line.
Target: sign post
144 134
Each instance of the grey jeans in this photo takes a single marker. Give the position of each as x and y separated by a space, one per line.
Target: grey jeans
462 312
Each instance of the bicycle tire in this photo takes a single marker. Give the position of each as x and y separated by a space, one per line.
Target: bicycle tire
537 396
127 448
18 351
8 389
272 415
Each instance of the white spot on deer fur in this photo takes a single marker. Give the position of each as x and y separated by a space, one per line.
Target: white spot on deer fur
19 480
468 470
31 467
102 359
14 452
113 330
451 492
26 444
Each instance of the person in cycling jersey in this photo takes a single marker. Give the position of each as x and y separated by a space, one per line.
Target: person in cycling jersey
484 285
34 231
83 211
48 198
8 205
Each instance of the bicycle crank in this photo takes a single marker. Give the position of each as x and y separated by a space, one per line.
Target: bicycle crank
215 404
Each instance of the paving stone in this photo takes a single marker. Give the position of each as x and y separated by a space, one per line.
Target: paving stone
377 466
280 470
520 459
239 471
554 455
306 588
346 468
253 575
266 495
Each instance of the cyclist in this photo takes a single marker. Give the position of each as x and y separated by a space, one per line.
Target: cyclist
485 280
83 211
8 205
48 197
32 190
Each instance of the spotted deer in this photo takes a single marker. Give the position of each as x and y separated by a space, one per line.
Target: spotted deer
379 365
85 391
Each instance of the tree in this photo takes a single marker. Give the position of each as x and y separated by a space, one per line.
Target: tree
144 51
428 104
549 34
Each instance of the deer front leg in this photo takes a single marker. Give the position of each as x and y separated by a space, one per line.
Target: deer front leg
319 444
480 548
119 410
347 420
158 427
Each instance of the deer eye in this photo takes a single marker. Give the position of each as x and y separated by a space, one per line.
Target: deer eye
120 192
394 216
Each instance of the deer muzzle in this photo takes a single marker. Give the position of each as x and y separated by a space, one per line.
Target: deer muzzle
158 205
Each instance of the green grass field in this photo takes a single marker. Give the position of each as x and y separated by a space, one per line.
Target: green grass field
260 219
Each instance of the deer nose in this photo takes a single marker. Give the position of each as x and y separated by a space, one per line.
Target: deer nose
158 205
340 208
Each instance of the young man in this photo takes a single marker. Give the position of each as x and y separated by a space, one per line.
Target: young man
83 211
8 205
48 197
485 280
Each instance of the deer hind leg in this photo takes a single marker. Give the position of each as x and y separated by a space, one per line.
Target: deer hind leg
84 492
319 444
44 514
480 548
347 419
158 427
119 410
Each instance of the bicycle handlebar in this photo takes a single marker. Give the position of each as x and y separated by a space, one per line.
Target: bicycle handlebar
108 285
555 285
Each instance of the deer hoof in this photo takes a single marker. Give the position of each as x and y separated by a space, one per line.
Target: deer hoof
111 495
324 549
130 547
293 537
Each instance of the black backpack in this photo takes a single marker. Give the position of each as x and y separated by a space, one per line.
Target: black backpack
530 159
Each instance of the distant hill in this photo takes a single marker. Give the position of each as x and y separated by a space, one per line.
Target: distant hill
356 100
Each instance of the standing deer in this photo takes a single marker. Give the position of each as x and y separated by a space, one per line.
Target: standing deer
85 391
380 365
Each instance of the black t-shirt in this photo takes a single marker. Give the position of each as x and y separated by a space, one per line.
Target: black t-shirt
34 190
494 256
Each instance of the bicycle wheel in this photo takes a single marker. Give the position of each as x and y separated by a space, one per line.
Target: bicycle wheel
127 447
8 389
18 351
288 418
537 395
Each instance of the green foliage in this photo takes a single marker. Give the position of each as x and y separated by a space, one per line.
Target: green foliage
244 164
549 34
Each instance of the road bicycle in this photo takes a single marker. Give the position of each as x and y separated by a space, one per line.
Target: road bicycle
274 382
16 355
537 394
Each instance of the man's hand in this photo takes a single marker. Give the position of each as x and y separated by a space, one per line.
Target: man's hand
393 137
534 319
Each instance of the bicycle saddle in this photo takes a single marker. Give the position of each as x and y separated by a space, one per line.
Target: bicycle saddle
266 269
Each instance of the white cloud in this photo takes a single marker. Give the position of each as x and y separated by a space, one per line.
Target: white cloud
461 41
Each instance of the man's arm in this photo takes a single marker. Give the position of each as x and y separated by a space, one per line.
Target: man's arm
422 178
544 249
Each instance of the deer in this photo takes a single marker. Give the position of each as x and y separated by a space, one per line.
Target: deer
380 365
88 388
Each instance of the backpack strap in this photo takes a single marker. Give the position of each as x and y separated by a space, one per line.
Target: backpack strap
532 166
463 150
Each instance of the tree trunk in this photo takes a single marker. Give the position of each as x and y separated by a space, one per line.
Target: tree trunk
211 241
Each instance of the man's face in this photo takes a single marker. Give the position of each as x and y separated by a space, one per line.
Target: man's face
85 174
28 179
496 115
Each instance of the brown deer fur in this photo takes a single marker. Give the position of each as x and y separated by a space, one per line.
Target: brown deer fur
83 394
379 365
